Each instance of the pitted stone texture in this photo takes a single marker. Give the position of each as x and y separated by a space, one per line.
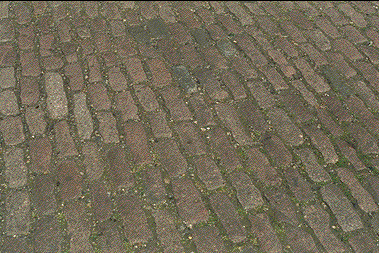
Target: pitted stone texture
8 103
136 138
42 195
101 202
12 130
7 78
125 104
34 116
56 96
12 244
15 168
70 180
18 219
208 172
120 168
47 235
83 119
64 142
170 157
208 239
92 161
248 195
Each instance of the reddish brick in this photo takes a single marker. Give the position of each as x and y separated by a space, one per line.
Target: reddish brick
342 66
29 64
203 114
283 44
52 62
293 31
224 151
240 13
313 79
299 19
374 36
167 232
70 180
348 49
87 47
146 97
229 117
248 195
190 139
8 56
369 73
251 117
312 167
102 41
261 227
335 107
133 218
264 98
83 119
210 83
158 124
136 139
160 75
120 168
208 172
298 185
366 94
328 123
46 44
176 105
318 58
8 103
180 34
366 143
353 35
327 27
360 111
272 8
188 200
234 85
18 218
248 47
287 130
40 155
12 130
98 96
92 161
170 157
47 235
243 67
280 155
342 208
299 240
188 18
259 163
167 49
56 97
124 103
15 169
108 127
135 70
284 66
214 57
206 15
274 77
153 185
295 106
101 203
35 120
191 57
109 238
268 25
64 142
320 40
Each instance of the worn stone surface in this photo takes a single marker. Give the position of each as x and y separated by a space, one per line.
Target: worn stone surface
18 218
83 119
16 170
56 96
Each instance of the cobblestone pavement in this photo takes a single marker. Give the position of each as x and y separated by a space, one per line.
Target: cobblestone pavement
189 126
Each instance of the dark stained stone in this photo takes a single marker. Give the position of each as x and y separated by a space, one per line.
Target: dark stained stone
188 200
190 139
15 169
153 185
280 155
319 220
120 168
92 161
191 58
261 227
295 106
248 195
170 157
251 117
208 172
11 128
208 239
312 167
341 207
64 142
298 185
167 233
335 107
29 90
47 235
18 218
184 79
70 180
133 218
42 195
101 202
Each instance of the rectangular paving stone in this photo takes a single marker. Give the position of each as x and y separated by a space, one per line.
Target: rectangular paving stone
29 64
83 119
152 184
190 139
366 94
317 57
18 217
15 244
102 41
223 150
7 78
347 49
214 57
350 153
184 79
327 122
15 169
295 106
356 17
229 117
280 155
56 96
109 238
8 58
100 201
136 139
369 73
261 227
299 240
116 79
360 111
327 27
188 201
64 142
248 195
353 35
208 239
208 172
168 235
134 219
98 96
341 207
124 103
335 16
287 47
286 129
92 161
322 143
371 53
227 48
73 72
284 209
166 13
203 114
268 25
108 128
298 185
312 167
146 97
293 31
8 103
363 242
319 39
314 80
274 77
135 70
180 34
264 98
234 85
158 124
47 235
335 107
170 157
34 116
70 180
26 38
251 117
284 66
46 44
94 69
160 74
366 143
119 168
248 47
210 83
318 219
52 62
364 199
305 93
191 58
240 64
240 13
12 130
175 104
259 164
201 37
40 151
